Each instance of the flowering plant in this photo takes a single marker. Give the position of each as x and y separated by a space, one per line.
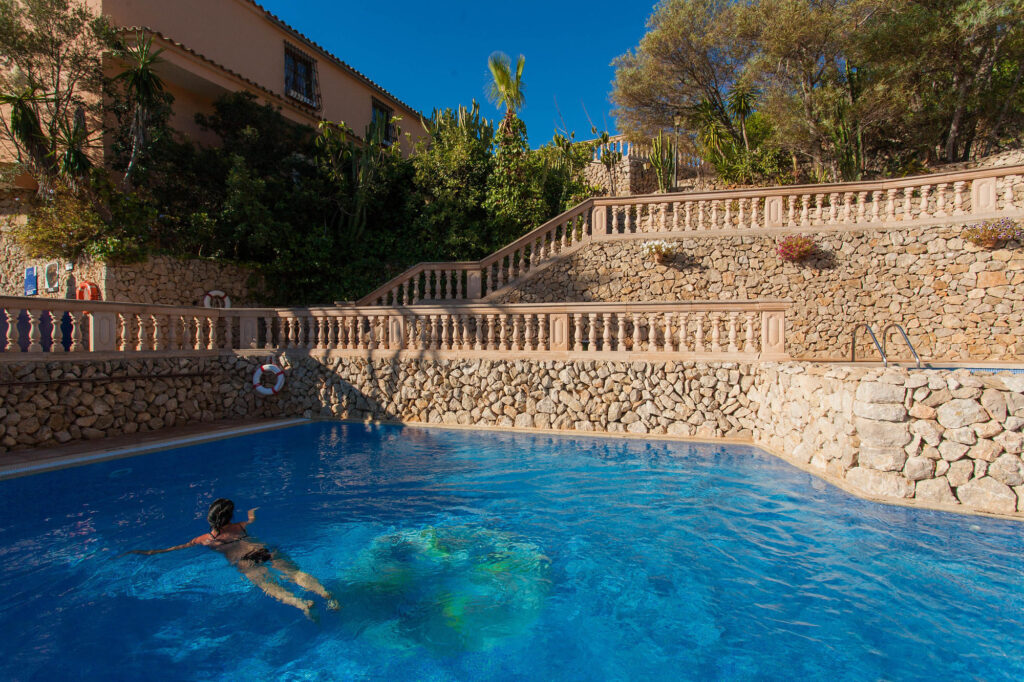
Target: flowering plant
660 249
991 232
795 247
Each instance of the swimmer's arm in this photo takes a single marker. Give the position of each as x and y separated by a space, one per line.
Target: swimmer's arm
252 517
148 552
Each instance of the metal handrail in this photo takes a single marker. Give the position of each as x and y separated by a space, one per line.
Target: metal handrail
853 344
885 335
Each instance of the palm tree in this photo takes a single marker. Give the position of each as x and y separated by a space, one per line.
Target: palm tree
506 88
742 99
144 91
26 128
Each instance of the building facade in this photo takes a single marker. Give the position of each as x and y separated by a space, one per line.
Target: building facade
213 47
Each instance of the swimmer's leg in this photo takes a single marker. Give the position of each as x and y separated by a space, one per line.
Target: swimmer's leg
261 578
289 571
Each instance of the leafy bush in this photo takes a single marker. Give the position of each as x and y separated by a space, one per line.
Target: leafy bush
992 232
795 248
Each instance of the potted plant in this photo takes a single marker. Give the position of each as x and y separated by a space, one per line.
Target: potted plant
795 248
661 250
990 234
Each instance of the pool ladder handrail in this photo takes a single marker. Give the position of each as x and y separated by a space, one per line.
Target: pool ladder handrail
881 346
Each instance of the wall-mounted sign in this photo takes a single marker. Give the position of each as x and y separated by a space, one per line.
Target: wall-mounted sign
31 288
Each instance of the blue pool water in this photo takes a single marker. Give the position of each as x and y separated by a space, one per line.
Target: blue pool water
460 555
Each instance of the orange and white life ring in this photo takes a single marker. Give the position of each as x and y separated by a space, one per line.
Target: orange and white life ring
257 380
216 296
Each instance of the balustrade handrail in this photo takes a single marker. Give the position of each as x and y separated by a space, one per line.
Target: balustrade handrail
948 177
76 305
463 308
737 330
791 207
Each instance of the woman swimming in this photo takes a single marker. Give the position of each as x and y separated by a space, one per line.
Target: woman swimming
250 557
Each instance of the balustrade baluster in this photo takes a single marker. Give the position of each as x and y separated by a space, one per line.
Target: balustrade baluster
925 192
700 215
667 337
75 319
847 207
742 213
35 336
321 333
577 339
12 331
733 348
748 345
755 220
908 203
629 220
675 216
682 346
200 333
542 332
833 208
620 337
528 321
698 341
890 206
940 199
606 335
592 332
140 341
124 343
664 216
212 338
727 219
637 329
688 222
373 323
652 333
805 209
57 337
716 333
515 345
862 207
502 332
791 212
714 214
819 209
876 205
958 197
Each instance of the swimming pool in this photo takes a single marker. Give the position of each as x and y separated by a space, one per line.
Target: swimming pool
471 555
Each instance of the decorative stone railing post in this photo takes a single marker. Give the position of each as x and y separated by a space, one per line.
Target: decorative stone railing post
559 333
773 335
102 331
396 332
474 284
599 220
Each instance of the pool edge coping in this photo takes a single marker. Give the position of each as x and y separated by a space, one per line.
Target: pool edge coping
82 459
102 455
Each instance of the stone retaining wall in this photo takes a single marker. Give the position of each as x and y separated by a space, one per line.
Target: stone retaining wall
160 279
944 439
955 300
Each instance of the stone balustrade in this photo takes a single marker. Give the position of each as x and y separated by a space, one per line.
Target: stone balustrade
925 200
715 329
617 144
31 325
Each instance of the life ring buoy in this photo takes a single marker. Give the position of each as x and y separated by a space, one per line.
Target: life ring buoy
257 380
88 291
216 295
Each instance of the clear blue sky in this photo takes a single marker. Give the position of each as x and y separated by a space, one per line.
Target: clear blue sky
434 54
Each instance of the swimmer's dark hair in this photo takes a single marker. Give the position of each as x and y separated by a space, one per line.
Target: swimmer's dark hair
220 513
